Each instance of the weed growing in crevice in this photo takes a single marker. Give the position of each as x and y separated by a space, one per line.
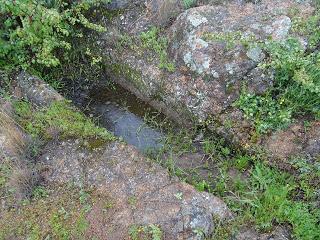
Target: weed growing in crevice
39 192
152 40
189 3
152 232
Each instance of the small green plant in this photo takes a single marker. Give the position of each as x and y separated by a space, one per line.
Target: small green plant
58 227
152 232
199 232
215 148
202 186
189 3
242 162
309 177
179 195
179 142
152 40
35 233
81 225
84 198
155 232
134 232
266 112
220 186
132 200
40 192
108 205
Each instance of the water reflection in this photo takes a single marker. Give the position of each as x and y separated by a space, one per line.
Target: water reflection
122 114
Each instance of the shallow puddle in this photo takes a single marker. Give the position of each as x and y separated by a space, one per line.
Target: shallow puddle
123 114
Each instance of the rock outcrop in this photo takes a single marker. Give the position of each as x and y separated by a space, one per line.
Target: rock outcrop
35 90
210 47
143 193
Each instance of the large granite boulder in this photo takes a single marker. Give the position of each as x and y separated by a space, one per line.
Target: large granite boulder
215 55
216 44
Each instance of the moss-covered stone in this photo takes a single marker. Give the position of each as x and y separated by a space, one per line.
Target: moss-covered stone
130 74
61 119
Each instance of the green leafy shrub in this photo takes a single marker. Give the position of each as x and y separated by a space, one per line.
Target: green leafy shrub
39 33
266 112
297 75
296 87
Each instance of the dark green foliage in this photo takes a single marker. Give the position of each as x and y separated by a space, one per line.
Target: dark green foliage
296 89
266 112
38 33
297 75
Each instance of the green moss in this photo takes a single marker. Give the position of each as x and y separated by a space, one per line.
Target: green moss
59 118
130 74
95 143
